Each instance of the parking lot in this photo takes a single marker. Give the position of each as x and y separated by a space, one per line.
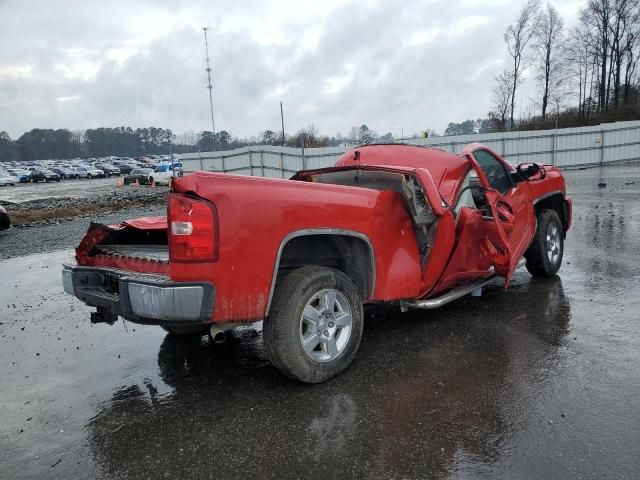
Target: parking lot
540 381
24 192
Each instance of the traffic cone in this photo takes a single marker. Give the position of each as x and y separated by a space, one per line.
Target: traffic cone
153 183
137 182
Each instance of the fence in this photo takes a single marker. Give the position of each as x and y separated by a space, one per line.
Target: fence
566 148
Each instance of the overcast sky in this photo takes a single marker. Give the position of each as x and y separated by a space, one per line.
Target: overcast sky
389 64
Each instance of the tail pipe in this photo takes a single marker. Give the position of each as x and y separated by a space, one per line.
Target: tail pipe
218 331
451 295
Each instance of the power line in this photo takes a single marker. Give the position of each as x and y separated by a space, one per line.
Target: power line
208 70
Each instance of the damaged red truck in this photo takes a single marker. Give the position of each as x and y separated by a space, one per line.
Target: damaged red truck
415 226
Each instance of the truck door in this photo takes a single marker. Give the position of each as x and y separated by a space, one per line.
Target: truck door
495 232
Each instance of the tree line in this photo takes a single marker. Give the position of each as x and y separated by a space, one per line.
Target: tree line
585 75
61 144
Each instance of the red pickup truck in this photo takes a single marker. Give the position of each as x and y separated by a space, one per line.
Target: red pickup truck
411 225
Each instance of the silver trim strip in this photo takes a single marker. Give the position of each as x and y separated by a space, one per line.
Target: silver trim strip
322 231
453 294
547 195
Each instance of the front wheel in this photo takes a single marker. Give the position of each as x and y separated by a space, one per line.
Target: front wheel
89 176
544 256
315 325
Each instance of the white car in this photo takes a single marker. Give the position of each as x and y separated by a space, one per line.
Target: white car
88 171
164 172
7 179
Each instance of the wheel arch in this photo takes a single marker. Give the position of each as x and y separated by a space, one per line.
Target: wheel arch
554 201
349 251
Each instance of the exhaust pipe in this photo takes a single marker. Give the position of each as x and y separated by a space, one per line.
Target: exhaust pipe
218 335
218 331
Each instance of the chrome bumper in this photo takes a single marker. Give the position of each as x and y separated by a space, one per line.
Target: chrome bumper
140 298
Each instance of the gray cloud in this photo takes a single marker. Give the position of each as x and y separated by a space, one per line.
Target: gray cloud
391 65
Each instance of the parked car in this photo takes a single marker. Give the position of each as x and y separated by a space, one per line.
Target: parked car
64 172
413 226
7 179
165 172
44 175
107 168
5 221
23 176
126 168
140 174
80 172
87 171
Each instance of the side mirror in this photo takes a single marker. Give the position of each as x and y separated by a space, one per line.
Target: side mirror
525 171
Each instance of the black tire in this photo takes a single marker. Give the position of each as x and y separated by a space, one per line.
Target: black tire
150 180
282 326
538 258
186 330
89 176
5 221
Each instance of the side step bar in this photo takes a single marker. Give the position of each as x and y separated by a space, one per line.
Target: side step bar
451 295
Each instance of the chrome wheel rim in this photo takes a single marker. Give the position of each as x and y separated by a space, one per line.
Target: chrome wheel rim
325 325
553 243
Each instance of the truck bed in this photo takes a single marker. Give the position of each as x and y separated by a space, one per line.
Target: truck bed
156 253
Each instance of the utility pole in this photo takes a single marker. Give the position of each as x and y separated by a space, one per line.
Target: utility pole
208 70
282 120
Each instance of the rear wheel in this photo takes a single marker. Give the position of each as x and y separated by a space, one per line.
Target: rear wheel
544 256
315 325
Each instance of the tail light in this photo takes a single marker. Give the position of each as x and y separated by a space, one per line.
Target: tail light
193 229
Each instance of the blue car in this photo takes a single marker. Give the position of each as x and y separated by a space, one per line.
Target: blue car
23 176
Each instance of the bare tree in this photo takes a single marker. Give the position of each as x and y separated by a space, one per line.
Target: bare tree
517 36
597 17
624 29
501 99
579 60
549 38
631 52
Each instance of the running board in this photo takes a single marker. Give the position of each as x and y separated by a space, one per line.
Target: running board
451 295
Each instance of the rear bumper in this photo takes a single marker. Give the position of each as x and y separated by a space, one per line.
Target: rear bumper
149 299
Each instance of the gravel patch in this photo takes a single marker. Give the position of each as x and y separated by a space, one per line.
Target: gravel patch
52 210
62 234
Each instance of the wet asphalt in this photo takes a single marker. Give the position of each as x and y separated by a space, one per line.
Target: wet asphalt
540 382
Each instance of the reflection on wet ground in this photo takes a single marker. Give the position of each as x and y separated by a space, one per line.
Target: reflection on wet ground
541 381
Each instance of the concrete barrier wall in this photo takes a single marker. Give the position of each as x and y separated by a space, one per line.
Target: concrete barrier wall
566 148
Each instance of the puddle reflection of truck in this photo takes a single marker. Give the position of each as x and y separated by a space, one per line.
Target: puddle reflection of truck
414 226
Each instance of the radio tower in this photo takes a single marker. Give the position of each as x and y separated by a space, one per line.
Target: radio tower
208 69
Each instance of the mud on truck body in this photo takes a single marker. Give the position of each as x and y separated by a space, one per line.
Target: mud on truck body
415 226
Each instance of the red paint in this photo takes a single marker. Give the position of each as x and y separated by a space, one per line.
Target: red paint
254 215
